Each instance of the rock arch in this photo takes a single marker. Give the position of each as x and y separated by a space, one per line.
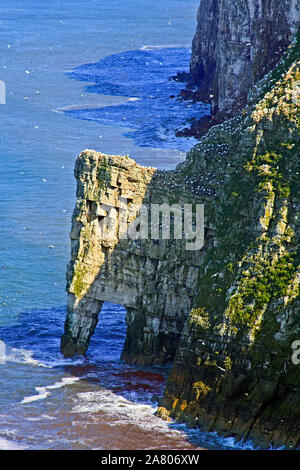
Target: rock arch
153 279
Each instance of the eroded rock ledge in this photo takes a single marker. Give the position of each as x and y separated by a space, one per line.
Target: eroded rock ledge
235 45
154 279
229 313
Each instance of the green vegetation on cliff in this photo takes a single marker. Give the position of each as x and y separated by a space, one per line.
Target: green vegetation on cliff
230 311
237 341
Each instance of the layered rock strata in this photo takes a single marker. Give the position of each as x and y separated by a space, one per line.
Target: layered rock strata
229 312
235 45
152 278
234 369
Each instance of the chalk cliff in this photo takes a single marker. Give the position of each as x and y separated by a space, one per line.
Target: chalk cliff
226 314
233 369
235 45
152 278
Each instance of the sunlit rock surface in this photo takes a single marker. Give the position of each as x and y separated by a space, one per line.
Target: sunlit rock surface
228 312
236 44
154 279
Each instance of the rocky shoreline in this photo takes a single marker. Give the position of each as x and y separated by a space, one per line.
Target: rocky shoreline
233 370
227 314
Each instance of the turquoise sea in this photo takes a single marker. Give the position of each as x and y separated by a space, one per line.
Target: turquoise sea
80 74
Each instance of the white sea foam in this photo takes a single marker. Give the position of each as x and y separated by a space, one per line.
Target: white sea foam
23 356
48 417
43 391
5 444
42 394
64 381
120 410
123 411
162 46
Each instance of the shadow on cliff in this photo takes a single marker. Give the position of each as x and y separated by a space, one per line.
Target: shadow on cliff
153 279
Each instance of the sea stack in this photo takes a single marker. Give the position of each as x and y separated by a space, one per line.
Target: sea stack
226 315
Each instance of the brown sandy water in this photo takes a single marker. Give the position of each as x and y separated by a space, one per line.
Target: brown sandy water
67 413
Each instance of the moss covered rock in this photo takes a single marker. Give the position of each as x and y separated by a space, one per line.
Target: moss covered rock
237 342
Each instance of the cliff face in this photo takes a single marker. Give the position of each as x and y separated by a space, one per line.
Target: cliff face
152 278
233 370
228 312
236 44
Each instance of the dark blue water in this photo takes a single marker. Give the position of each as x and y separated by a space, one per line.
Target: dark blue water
39 332
62 401
153 109
97 402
